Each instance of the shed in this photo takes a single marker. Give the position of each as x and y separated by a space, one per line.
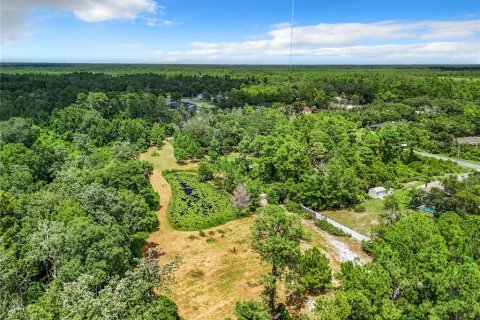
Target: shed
377 192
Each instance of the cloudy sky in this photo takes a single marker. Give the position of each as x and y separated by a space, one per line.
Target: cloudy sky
241 31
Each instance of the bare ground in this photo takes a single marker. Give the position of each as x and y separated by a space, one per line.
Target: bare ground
214 274
220 268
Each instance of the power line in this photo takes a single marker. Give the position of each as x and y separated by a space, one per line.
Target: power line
291 32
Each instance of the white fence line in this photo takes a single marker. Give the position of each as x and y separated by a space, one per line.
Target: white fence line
353 233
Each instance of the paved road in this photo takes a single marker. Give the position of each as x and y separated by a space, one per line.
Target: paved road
459 162
353 233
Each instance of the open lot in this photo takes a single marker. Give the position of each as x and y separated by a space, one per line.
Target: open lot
217 269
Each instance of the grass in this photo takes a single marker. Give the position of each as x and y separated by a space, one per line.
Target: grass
330 228
212 275
361 222
163 158
211 278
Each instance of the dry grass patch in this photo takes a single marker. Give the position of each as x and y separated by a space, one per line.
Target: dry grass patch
359 221
214 274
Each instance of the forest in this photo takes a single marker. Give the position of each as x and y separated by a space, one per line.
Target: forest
78 205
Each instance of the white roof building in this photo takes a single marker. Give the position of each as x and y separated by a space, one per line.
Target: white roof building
377 192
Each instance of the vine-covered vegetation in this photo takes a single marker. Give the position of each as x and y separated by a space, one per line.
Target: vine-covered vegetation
197 205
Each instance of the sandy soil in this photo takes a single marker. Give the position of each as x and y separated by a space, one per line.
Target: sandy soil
217 269
220 268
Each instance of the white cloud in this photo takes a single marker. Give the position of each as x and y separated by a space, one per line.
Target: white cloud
14 12
155 21
130 45
450 40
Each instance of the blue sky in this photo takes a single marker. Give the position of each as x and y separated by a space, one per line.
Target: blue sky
241 31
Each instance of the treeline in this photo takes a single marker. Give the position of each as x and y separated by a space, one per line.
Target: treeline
320 160
74 216
422 269
36 95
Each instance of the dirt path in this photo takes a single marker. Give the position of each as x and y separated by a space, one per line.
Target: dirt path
217 269
161 186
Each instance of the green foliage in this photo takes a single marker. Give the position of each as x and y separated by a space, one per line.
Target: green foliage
330 228
76 205
157 134
186 148
294 207
205 170
314 272
276 237
414 250
251 310
360 208
18 130
203 208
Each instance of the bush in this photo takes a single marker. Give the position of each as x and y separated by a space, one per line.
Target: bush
251 310
360 208
210 240
326 226
294 207
197 205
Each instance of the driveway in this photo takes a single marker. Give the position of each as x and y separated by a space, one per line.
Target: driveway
459 162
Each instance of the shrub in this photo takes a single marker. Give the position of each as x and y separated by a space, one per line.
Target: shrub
210 240
201 233
326 226
294 207
155 154
360 208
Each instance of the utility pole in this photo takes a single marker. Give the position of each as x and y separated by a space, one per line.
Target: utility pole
291 33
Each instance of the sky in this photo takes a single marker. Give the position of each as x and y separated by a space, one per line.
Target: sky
241 31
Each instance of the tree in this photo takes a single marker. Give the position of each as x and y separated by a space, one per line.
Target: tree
390 142
185 147
241 197
251 310
19 130
124 151
276 237
205 170
157 134
391 212
314 272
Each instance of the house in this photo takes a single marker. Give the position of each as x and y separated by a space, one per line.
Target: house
379 192
173 106
382 124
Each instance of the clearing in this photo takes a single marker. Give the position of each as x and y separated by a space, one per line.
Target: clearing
214 274
220 267
362 222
